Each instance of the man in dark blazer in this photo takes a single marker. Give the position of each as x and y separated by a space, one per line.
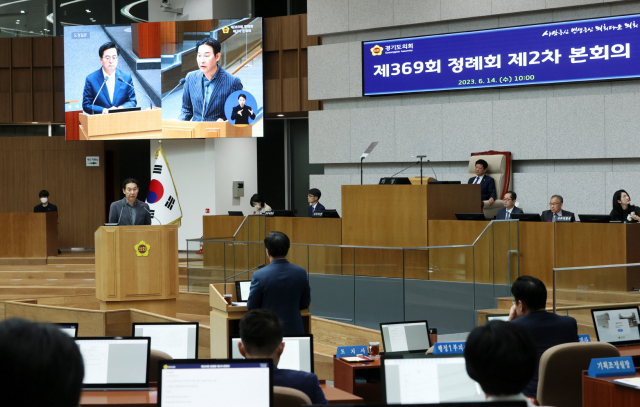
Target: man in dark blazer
487 184
105 84
129 210
206 90
545 328
242 112
556 210
281 287
261 338
509 206
313 198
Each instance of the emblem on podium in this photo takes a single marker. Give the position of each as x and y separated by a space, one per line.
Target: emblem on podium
142 249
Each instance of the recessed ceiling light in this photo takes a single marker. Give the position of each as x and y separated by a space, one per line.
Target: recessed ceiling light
280 115
22 11
88 11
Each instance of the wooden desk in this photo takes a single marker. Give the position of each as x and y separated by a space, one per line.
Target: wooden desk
150 398
344 375
633 351
603 392
29 235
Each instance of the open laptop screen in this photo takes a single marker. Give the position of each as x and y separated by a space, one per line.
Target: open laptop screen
211 382
242 290
178 339
297 355
70 329
617 326
115 362
428 379
501 317
405 337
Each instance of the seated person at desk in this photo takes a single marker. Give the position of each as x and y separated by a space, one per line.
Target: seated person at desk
41 365
509 206
487 184
622 210
281 287
313 198
45 205
555 206
129 210
259 204
502 358
545 328
261 338
103 89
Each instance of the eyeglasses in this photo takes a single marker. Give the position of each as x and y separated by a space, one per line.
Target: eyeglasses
507 199
555 203
111 58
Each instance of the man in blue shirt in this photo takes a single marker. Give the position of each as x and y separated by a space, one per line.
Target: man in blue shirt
206 90
261 338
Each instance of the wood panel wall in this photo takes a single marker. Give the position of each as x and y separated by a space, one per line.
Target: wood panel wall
285 65
30 164
32 80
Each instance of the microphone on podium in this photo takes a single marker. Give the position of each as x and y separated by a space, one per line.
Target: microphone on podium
242 272
134 88
98 94
152 215
182 81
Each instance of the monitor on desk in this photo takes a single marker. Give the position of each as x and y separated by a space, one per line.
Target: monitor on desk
470 216
70 328
405 337
115 362
594 218
501 317
617 326
527 217
177 339
297 354
242 290
428 379
215 382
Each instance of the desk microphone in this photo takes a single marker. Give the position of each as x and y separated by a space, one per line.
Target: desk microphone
259 266
418 162
182 81
98 94
152 215
120 215
134 88
434 171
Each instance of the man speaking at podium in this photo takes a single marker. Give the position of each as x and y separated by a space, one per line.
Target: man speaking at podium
129 210
103 90
206 90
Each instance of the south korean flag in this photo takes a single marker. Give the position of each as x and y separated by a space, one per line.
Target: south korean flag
163 197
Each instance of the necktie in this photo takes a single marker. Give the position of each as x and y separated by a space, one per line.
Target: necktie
555 216
508 214
477 180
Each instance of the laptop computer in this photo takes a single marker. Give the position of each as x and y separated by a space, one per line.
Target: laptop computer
297 355
115 363
427 379
70 328
405 337
617 326
178 339
242 292
215 382
501 317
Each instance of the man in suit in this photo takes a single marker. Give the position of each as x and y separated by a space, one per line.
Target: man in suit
261 338
509 206
129 210
242 112
206 91
545 328
281 286
487 184
105 84
502 358
555 206
313 198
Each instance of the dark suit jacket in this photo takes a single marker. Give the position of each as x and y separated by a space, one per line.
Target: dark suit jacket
193 96
547 216
49 208
244 117
303 381
547 330
502 212
142 217
283 288
487 187
123 95
319 207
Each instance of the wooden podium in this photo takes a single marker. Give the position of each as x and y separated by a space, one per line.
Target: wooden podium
137 267
29 235
144 124
225 319
189 129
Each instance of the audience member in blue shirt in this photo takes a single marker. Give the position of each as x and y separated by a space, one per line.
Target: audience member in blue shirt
261 338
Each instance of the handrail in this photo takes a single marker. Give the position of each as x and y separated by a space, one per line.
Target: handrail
606 266
576 307
240 227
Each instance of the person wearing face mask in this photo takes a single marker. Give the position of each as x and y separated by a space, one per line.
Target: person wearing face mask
45 206
259 205
622 210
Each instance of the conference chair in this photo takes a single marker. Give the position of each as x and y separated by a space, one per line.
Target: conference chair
154 357
288 397
500 170
560 376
